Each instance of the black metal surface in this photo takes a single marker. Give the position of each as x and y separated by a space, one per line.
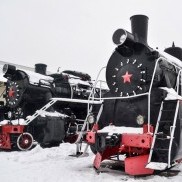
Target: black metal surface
174 51
136 63
40 68
139 27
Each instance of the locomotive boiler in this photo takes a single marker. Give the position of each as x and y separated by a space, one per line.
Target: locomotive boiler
141 114
31 114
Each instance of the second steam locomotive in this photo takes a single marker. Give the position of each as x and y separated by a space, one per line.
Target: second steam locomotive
34 111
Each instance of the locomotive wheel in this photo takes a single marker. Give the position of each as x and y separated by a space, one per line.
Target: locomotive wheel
25 141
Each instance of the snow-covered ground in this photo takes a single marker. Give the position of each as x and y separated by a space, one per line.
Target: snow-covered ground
55 165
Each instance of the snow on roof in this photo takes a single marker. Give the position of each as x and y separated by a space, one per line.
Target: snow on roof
35 78
111 129
13 122
74 81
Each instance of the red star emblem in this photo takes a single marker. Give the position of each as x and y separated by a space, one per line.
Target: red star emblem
11 93
127 77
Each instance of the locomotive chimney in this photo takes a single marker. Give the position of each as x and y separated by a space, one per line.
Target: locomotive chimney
139 28
40 68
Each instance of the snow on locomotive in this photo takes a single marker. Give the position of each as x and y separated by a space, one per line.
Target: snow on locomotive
33 111
141 114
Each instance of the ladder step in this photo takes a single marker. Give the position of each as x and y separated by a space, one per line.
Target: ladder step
167 110
165 121
159 138
157 103
157 165
170 101
160 149
160 133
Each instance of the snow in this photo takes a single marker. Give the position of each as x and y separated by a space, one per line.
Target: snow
114 129
55 165
35 78
2 79
43 114
171 94
53 114
13 122
75 81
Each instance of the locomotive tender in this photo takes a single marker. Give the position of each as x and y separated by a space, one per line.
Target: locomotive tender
141 114
35 112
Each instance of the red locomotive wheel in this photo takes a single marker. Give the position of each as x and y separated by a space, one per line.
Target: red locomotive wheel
25 141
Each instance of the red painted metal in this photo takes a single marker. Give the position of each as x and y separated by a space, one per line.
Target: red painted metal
12 128
11 92
135 146
97 160
145 128
127 77
95 127
5 141
6 131
136 165
137 140
90 137
106 154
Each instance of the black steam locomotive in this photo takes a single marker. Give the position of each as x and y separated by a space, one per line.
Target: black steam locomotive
141 116
33 111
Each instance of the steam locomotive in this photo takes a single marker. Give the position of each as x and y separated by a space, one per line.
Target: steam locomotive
34 111
141 114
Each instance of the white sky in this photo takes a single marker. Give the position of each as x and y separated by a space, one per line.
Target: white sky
77 34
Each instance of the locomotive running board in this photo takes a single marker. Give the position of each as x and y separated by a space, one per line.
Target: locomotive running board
78 101
53 101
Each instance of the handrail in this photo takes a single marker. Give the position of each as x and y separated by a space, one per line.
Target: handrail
150 88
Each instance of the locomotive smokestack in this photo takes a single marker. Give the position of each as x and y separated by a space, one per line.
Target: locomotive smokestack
40 68
139 28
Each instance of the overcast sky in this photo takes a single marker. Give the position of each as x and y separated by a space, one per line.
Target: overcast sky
77 34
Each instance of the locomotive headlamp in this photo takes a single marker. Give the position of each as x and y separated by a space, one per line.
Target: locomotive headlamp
91 119
9 114
9 69
140 120
121 36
